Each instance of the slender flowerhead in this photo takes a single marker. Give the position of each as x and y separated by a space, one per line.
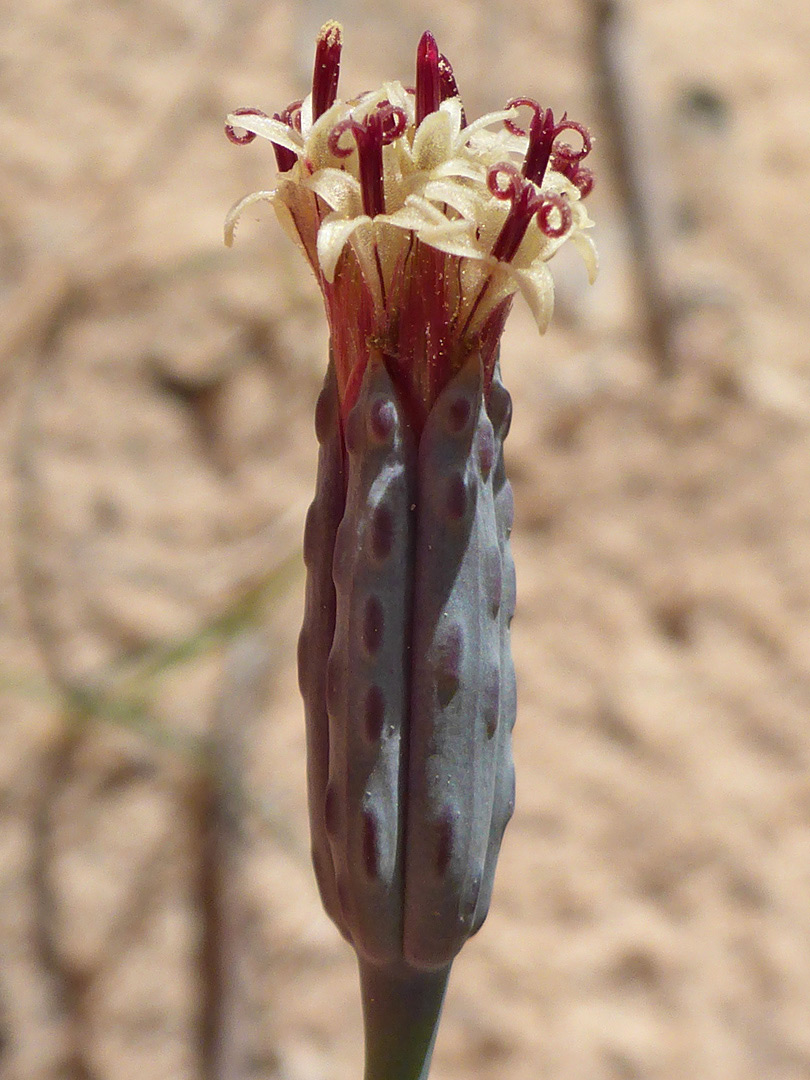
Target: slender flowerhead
420 227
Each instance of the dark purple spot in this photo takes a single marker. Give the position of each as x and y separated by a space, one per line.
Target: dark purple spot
493 579
331 812
448 663
491 722
445 836
486 451
324 414
371 854
382 533
456 499
382 420
373 622
375 713
458 415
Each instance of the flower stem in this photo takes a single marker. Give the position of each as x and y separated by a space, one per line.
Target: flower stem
401 1010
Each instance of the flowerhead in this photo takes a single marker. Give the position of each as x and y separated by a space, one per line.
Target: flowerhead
420 226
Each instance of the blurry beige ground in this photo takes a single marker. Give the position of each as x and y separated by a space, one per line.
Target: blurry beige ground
651 916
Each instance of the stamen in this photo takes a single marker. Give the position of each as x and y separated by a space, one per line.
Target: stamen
285 158
428 77
369 138
543 133
248 136
327 68
449 87
386 123
527 202
541 138
291 116
541 141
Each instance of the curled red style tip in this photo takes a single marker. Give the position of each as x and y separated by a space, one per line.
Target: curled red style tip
543 133
581 177
551 205
570 153
335 135
516 103
511 189
291 116
285 158
327 68
584 180
394 121
247 136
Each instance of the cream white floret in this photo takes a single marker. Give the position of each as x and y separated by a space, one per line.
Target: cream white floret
435 190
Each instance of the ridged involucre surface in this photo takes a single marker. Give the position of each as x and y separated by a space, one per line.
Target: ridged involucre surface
462 696
405 667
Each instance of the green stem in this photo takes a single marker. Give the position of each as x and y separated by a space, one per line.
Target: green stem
401 1010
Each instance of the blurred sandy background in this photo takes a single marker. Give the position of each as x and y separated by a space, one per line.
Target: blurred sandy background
158 916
